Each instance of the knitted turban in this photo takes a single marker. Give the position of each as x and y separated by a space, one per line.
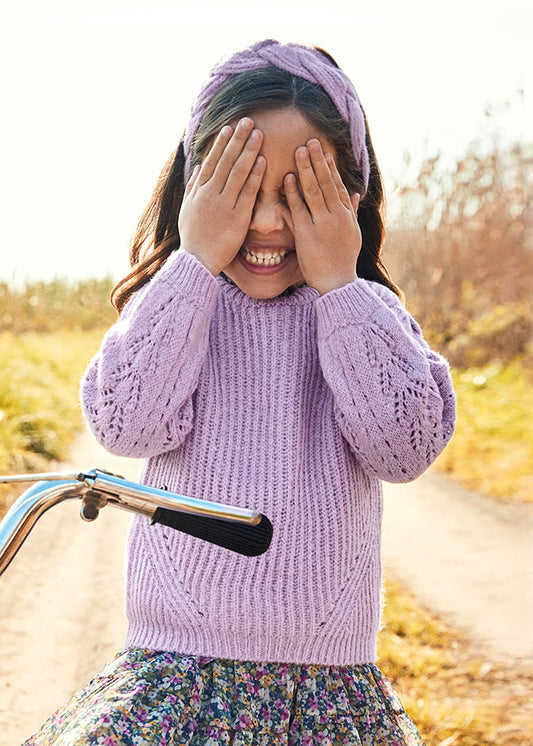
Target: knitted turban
298 60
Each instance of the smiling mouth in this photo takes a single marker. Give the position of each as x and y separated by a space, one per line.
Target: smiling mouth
268 257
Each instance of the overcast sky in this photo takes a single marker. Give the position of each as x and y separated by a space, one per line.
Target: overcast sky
96 95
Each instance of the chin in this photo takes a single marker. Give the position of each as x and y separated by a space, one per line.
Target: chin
263 294
262 291
263 287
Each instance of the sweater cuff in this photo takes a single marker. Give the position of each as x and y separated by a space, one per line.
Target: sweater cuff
187 273
352 303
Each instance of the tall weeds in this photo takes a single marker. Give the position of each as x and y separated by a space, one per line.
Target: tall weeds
462 251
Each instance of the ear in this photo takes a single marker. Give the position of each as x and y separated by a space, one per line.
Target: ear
354 199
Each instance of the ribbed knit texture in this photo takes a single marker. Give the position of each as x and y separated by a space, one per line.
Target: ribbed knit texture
298 407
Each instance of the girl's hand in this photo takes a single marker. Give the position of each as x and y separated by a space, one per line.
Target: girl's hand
220 196
326 232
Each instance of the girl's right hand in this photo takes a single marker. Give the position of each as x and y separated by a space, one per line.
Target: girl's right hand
220 196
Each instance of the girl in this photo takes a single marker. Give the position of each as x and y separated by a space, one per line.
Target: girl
262 358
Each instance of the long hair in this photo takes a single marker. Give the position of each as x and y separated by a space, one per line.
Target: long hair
263 89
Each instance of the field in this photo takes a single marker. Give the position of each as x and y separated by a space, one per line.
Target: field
39 410
491 451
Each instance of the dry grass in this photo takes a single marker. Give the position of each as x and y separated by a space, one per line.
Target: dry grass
491 450
39 411
455 691
58 305
460 248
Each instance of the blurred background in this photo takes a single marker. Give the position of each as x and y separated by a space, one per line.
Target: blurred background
96 96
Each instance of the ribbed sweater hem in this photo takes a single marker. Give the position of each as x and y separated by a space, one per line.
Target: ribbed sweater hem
341 651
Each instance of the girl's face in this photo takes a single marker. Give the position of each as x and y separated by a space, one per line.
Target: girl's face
267 264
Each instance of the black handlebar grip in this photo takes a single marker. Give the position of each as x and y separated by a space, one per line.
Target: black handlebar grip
242 538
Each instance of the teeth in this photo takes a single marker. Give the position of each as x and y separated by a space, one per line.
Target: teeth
265 258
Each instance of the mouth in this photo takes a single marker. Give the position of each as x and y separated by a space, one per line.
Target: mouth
264 259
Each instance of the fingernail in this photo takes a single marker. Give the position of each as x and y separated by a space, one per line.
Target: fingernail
245 123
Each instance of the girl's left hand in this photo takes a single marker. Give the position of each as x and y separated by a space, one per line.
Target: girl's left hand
326 232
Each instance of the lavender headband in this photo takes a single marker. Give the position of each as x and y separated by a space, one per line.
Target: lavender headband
304 62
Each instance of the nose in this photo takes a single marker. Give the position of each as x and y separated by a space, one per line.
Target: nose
267 216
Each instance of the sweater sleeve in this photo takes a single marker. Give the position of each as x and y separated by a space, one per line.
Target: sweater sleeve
136 393
393 395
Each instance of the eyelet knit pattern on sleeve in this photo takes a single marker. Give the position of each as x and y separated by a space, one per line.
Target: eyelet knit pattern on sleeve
298 407
137 401
393 399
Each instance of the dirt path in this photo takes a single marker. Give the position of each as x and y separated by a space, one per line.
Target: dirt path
465 556
61 604
61 600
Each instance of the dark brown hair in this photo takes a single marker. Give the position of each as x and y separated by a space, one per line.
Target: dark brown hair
267 88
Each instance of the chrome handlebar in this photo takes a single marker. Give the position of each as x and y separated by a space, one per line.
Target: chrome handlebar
239 529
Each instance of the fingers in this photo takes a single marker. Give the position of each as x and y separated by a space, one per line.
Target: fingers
232 164
339 184
236 165
211 160
248 193
311 188
192 179
232 156
320 180
295 202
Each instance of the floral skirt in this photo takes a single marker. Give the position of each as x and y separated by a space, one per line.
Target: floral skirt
149 697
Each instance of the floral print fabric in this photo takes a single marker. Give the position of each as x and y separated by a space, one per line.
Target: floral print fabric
145 697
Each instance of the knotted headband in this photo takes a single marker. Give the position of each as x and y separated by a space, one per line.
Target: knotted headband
298 60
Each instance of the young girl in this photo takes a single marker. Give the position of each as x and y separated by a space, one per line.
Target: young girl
262 358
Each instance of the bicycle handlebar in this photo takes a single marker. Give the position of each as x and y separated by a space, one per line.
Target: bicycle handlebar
238 529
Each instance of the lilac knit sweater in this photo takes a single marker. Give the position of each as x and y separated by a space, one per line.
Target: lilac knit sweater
297 407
